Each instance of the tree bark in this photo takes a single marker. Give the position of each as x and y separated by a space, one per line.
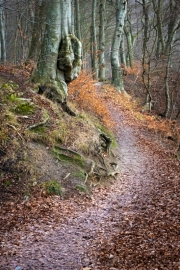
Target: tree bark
166 80
121 9
122 52
94 41
146 61
160 42
102 10
77 20
60 57
2 34
38 29
173 22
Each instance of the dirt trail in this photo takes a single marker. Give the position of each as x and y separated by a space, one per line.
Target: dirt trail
79 241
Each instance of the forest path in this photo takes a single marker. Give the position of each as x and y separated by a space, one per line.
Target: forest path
132 224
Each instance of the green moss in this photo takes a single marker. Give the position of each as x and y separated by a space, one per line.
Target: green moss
8 87
82 188
13 97
14 85
68 157
25 108
53 188
39 129
3 135
79 174
81 116
7 183
139 116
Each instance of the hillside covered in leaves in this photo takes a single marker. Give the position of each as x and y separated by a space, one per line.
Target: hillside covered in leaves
69 202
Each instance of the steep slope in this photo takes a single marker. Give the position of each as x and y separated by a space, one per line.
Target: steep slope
131 224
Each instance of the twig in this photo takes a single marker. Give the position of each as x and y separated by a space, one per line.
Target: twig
38 124
66 176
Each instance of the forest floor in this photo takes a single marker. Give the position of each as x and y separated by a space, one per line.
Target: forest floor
132 223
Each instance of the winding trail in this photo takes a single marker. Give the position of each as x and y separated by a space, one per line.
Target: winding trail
119 213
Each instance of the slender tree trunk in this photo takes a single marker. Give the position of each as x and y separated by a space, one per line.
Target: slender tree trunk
37 32
174 20
94 41
130 45
159 26
122 52
2 33
77 20
130 39
73 16
146 62
102 16
166 80
121 9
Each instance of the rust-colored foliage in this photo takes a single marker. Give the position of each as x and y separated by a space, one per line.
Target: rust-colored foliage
89 97
166 128
135 70
21 70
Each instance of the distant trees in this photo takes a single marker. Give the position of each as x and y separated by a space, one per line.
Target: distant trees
117 35
159 37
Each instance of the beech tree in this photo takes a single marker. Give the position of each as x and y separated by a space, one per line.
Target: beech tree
2 34
121 9
102 16
94 41
60 53
77 19
38 26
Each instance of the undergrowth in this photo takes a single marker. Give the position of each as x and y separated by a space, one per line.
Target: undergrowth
84 93
165 127
90 99
52 188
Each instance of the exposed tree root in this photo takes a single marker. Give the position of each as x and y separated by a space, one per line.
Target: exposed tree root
53 93
39 124
101 163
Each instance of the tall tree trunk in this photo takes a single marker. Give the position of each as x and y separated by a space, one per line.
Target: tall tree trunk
60 57
130 45
102 16
159 26
77 20
2 33
130 39
94 41
173 21
146 62
37 31
121 9
166 80
73 17
122 52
